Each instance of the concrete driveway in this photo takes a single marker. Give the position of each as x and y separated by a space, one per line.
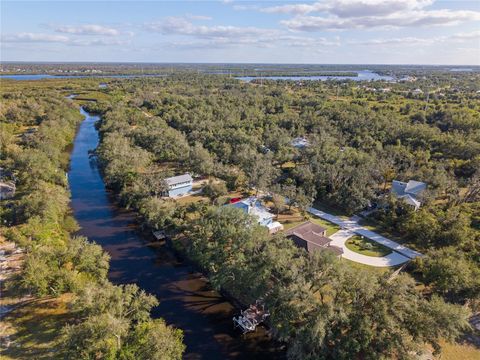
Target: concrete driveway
339 239
350 227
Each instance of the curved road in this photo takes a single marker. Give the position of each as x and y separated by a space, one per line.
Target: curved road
400 254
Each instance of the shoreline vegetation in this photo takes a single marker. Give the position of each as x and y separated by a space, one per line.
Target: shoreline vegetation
89 314
319 306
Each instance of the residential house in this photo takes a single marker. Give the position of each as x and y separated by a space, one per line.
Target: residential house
179 185
265 218
410 192
312 237
300 142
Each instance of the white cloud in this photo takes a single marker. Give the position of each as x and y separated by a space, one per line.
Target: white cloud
351 8
181 26
98 42
296 8
198 17
217 36
414 41
26 37
395 20
475 35
359 14
59 39
89 29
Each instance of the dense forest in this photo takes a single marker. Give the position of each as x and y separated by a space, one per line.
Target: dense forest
361 136
37 128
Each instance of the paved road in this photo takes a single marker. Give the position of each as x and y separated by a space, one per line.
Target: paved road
392 259
350 227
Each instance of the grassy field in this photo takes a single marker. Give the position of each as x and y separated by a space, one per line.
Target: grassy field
458 351
370 269
295 218
364 246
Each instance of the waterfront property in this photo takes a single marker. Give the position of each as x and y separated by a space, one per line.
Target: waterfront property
410 192
312 237
265 218
179 185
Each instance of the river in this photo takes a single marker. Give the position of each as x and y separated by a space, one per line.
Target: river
186 298
362 75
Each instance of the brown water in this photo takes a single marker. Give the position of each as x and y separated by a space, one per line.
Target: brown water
187 301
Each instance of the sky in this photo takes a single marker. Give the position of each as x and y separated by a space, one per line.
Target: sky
317 32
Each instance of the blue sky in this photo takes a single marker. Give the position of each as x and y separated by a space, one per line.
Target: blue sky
325 31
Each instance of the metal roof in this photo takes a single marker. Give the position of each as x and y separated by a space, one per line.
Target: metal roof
174 180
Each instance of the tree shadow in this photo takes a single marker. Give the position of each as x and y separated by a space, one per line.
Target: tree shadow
37 328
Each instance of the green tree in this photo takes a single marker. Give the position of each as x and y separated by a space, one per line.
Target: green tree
215 189
200 160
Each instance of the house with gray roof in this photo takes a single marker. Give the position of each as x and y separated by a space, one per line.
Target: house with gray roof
410 192
179 185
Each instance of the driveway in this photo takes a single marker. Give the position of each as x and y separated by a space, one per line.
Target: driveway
350 227
392 259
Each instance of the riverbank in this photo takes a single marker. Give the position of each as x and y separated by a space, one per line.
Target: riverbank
187 300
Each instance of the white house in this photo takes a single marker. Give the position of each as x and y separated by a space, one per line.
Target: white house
409 192
179 185
300 142
253 207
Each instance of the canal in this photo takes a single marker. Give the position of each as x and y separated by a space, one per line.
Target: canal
186 299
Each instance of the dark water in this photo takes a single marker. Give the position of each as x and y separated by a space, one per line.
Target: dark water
186 299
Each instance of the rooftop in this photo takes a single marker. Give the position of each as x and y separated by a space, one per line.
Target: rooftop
413 187
311 233
174 180
252 206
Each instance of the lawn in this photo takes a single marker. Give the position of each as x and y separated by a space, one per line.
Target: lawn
295 218
457 351
364 246
192 199
370 224
367 268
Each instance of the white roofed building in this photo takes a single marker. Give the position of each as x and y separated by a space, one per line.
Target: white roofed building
179 185
410 192
253 207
